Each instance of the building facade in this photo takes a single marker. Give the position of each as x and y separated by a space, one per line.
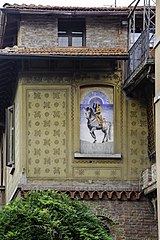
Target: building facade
66 121
157 107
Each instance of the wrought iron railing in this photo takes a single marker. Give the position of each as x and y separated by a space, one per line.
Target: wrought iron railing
139 52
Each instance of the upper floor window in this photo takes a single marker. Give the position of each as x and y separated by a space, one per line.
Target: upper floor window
71 32
10 144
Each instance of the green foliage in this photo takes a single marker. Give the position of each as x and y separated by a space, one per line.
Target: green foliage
48 215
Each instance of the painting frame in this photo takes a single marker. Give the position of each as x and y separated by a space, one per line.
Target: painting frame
97 125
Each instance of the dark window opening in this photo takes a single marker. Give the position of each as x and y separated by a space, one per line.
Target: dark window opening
10 32
71 32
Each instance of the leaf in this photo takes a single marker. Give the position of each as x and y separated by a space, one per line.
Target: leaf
49 215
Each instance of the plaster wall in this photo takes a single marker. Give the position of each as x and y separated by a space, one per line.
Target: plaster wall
12 180
51 131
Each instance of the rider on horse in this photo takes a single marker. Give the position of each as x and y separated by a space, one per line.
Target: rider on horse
98 109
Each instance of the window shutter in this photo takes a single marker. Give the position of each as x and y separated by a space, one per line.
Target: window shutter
10 136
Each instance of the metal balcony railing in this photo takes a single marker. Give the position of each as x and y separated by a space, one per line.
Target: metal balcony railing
139 53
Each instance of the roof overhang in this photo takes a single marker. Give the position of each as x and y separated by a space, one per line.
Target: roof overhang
26 56
64 52
64 10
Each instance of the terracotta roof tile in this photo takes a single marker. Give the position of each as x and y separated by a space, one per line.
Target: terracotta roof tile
69 51
64 8
71 8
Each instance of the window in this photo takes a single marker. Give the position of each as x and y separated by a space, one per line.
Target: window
71 32
10 144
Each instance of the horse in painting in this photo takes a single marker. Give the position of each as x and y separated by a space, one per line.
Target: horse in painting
93 124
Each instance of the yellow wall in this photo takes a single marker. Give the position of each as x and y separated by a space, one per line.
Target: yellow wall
12 181
48 133
48 138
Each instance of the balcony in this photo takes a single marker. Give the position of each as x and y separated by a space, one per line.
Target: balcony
149 179
141 59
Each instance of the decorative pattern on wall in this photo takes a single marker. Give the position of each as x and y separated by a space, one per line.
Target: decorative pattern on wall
103 195
46 127
138 133
98 173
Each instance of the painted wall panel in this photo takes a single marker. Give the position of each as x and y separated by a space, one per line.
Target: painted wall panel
47 132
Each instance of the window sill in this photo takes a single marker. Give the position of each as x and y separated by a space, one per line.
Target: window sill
105 156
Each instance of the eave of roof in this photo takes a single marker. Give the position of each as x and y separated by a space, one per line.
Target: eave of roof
64 8
40 9
65 52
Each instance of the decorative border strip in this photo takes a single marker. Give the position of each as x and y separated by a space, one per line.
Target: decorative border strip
99 195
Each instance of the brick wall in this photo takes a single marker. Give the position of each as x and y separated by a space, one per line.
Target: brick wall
42 32
126 218
38 32
129 220
102 32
